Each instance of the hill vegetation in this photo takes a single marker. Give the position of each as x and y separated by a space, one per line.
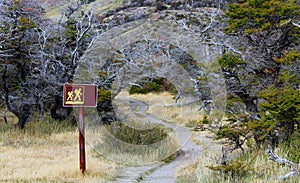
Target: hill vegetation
252 44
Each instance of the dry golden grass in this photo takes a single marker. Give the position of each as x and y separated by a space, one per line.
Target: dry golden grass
162 106
197 172
130 154
97 6
33 156
137 154
264 170
47 151
44 152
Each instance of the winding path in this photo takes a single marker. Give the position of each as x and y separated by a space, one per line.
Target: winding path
162 172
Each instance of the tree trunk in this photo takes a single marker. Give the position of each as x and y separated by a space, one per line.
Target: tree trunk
250 102
24 113
63 114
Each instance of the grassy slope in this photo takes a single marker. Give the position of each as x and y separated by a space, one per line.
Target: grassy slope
98 6
161 106
46 152
261 170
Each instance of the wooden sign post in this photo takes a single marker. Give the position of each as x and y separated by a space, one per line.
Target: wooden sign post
82 163
80 95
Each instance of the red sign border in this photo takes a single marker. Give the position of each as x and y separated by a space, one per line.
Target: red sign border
80 105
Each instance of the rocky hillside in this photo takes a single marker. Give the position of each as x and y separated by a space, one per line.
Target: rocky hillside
53 7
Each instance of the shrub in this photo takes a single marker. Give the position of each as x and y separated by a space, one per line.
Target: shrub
237 169
156 85
136 136
198 124
229 61
103 96
292 147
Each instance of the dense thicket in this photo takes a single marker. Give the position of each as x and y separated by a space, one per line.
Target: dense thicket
268 79
37 56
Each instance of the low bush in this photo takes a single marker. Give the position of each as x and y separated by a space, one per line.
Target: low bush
137 136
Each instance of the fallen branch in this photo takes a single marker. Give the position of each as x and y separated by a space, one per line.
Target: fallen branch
294 167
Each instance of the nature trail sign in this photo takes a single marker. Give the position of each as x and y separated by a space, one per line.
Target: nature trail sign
80 95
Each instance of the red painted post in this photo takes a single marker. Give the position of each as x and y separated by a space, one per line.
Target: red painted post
80 95
81 140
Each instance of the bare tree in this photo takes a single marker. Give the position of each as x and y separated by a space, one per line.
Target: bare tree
37 57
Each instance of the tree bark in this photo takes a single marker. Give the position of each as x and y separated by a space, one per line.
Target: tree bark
23 115
57 105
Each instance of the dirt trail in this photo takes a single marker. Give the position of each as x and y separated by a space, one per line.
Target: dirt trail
162 172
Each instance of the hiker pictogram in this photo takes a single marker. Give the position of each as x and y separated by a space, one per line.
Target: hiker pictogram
70 96
75 95
80 95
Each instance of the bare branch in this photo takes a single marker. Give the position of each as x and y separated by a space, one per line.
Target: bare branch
212 20
177 98
294 167
296 24
204 104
